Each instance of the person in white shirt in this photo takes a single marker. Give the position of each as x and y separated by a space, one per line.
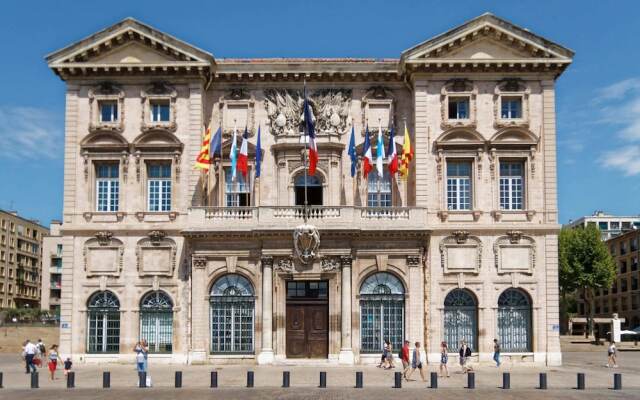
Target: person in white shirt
30 350
612 352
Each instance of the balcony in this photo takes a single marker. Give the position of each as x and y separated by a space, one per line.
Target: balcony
55 285
202 219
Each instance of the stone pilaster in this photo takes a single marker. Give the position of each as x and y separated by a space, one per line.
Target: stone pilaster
266 352
346 350
199 316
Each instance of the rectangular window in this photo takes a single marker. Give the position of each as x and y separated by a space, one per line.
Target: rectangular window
107 187
603 225
379 190
159 186
160 111
459 185
511 107
623 248
511 185
623 267
623 285
458 108
108 111
59 250
615 225
237 193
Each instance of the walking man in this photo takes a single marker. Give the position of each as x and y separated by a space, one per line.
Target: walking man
464 353
404 356
416 362
496 352
30 351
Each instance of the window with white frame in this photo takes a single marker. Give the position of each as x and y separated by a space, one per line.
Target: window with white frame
159 186
511 185
459 107
107 187
108 111
237 190
160 111
459 185
379 189
511 107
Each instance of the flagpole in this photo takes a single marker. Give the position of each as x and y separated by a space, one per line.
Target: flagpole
305 151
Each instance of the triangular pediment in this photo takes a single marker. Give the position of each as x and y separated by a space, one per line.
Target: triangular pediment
487 37
130 42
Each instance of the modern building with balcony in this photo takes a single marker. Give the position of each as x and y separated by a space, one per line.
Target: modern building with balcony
219 267
609 225
52 269
20 260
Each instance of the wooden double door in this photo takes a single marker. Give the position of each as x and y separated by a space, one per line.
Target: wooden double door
307 324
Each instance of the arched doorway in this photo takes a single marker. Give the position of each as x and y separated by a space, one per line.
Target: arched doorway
381 312
156 322
460 319
232 305
314 190
514 321
103 323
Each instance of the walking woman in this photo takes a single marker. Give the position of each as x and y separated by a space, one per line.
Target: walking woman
612 354
54 360
416 362
444 359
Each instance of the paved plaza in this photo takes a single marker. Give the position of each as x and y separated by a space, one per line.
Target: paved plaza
340 381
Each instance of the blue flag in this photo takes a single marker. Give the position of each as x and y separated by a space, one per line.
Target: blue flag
352 152
258 154
216 144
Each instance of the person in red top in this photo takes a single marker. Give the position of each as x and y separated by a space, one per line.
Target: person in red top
404 356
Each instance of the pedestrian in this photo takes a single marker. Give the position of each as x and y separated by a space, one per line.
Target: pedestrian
41 348
30 350
140 361
404 357
145 352
496 352
67 366
612 354
444 358
416 362
53 361
390 362
465 353
385 355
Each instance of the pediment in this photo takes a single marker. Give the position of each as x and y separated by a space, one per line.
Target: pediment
487 37
104 141
514 137
157 140
460 137
134 53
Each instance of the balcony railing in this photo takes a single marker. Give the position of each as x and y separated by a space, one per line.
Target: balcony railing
55 285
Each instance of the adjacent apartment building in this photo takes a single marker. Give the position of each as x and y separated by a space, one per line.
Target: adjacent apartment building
220 267
609 225
20 260
52 270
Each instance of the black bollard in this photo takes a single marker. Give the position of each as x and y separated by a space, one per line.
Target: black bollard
471 380
323 379
359 383
142 379
249 379
434 380
178 379
580 381
506 380
34 380
214 379
106 379
543 381
397 383
617 381
0 380
285 379
71 380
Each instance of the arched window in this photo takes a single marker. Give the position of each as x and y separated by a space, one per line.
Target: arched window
314 190
514 321
232 308
156 321
381 312
460 319
379 188
103 323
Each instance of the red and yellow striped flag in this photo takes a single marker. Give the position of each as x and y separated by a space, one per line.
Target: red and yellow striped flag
204 157
406 156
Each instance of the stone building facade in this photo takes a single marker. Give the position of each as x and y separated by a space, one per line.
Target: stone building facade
205 266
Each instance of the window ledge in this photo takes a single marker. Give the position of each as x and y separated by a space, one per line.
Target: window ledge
116 126
513 215
460 215
458 123
156 216
511 123
103 216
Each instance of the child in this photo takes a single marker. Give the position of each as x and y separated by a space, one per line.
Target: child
67 366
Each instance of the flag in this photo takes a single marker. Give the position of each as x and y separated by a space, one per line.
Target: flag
258 154
310 131
243 157
406 155
216 144
380 152
352 152
204 157
392 159
367 160
233 155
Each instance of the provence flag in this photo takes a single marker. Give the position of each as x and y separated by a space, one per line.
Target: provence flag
258 154
352 152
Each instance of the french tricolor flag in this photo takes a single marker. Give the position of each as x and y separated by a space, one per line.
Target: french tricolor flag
392 159
367 161
310 131
243 156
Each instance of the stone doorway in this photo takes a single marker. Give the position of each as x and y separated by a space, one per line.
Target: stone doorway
307 319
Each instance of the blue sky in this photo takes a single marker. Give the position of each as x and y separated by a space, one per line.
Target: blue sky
598 98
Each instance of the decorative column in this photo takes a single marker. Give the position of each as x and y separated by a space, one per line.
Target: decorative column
198 311
414 313
266 352
346 351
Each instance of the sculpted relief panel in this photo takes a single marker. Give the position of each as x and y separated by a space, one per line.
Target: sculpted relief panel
103 255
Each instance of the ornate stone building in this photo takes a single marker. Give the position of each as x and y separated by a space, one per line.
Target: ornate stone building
204 266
